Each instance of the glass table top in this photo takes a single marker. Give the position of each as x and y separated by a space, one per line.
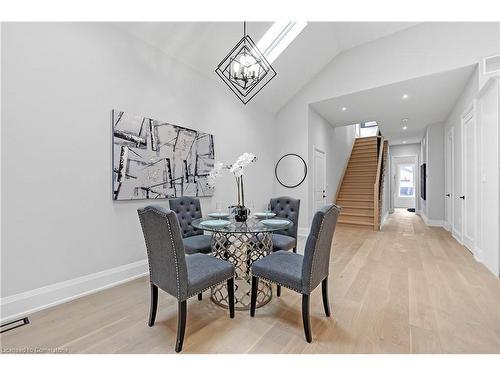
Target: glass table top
252 225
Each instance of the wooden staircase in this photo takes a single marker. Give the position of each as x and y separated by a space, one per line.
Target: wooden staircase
360 193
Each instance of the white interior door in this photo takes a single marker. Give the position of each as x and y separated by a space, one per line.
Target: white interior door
450 167
469 180
405 173
319 179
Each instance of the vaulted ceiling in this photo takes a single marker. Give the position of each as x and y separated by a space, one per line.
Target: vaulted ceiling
201 45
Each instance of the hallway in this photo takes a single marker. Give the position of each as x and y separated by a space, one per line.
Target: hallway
406 289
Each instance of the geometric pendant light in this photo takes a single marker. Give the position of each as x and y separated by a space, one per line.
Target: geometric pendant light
245 70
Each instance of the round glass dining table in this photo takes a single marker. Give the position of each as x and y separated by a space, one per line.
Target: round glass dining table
242 244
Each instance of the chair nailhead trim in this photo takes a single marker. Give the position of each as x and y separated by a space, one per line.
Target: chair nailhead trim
274 282
211 286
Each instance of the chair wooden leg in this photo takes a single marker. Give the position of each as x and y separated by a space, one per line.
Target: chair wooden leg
278 290
253 297
200 296
305 317
154 305
181 325
230 296
324 290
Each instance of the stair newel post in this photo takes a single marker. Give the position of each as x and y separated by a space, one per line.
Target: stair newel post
376 186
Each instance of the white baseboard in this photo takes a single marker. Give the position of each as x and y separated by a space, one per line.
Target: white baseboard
457 236
20 305
431 222
478 254
383 219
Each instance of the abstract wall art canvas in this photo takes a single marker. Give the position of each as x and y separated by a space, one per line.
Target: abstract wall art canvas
154 159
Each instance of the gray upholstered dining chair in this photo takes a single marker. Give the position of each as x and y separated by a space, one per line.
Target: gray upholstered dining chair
178 274
188 209
302 273
288 208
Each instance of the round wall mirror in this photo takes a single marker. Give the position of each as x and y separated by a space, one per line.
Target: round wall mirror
290 170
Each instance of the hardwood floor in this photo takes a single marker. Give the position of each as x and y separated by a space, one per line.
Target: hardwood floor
406 289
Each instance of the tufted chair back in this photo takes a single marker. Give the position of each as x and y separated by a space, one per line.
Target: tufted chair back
287 208
166 256
316 262
187 209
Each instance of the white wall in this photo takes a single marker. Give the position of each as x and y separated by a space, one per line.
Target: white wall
337 144
435 193
59 84
420 50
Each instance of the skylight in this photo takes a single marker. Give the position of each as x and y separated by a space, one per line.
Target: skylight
278 37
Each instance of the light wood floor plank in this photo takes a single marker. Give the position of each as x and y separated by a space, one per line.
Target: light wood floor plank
406 289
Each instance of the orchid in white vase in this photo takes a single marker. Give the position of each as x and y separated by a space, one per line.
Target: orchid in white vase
237 169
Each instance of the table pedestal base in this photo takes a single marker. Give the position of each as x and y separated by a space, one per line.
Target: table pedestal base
242 249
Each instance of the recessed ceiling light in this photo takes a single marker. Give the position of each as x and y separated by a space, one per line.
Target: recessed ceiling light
404 142
405 127
344 109
405 96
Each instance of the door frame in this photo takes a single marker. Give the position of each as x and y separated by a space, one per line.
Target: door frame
470 110
450 154
416 178
317 149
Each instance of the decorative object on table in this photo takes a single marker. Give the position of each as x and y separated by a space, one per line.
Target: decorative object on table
245 70
180 275
237 169
290 170
188 209
154 159
301 273
241 244
264 215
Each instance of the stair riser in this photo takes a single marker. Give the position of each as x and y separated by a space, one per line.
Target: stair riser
361 188
353 197
359 169
351 203
357 219
357 227
364 151
368 162
359 180
355 192
361 159
360 211
366 140
369 173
